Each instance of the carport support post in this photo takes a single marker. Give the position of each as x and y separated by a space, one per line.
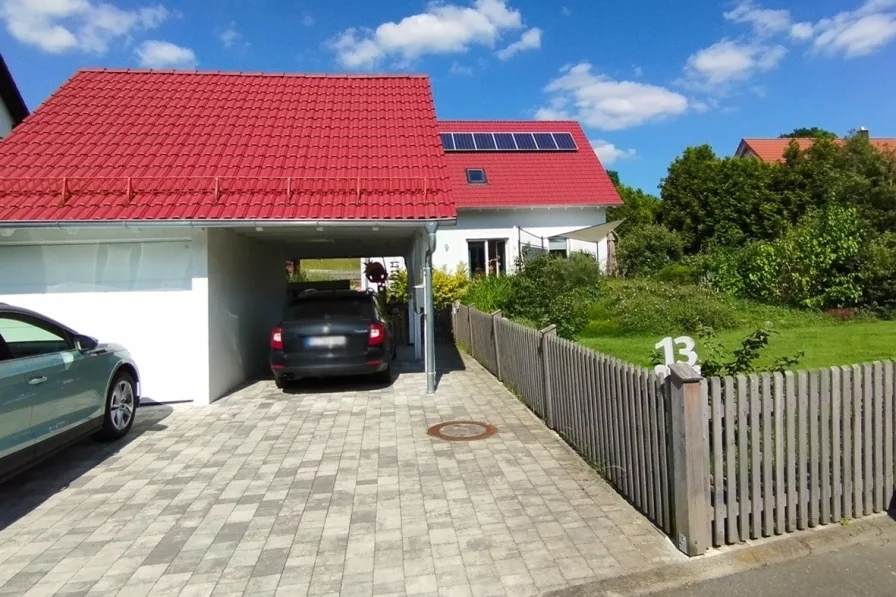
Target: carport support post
689 449
431 228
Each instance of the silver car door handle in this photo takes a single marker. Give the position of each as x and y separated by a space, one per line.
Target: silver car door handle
36 381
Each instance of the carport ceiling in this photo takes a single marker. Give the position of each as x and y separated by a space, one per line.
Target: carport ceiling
325 242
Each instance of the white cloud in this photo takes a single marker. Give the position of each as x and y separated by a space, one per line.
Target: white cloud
600 102
230 36
530 40
442 29
802 31
859 32
308 20
765 21
459 69
163 54
59 26
851 33
714 68
565 11
609 153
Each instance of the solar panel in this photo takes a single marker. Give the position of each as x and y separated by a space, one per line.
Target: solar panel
545 141
524 141
504 141
484 141
464 142
564 141
447 142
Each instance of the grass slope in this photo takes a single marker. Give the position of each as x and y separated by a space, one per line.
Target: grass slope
825 345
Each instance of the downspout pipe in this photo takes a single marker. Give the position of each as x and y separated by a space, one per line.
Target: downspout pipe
429 336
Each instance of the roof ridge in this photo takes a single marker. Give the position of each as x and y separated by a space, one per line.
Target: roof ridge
486 120
254 73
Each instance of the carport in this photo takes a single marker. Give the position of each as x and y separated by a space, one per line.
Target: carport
157 209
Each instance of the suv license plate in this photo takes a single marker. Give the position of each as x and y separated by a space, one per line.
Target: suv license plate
325 341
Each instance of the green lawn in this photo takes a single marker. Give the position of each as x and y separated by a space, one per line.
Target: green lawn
825 345
333 265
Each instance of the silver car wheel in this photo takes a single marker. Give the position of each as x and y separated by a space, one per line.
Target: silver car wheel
121 409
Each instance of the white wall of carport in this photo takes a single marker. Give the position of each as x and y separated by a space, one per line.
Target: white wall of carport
145 289
246 295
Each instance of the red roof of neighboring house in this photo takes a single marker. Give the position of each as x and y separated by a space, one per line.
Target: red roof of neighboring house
164 145
529 179
772 150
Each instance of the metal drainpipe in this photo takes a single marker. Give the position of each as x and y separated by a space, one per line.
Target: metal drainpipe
430 344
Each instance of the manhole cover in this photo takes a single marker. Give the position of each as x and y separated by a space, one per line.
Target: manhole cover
462 431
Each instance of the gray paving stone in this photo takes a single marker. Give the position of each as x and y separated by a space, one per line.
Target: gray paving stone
335 489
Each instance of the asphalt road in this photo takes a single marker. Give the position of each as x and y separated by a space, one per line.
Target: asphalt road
867 570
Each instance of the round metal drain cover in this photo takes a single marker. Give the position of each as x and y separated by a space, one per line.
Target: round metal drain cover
462 431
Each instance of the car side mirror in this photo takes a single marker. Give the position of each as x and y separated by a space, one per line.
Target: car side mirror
85 343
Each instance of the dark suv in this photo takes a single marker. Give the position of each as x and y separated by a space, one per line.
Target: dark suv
332 333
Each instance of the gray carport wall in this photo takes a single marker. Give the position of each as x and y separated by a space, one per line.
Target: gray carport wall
413 239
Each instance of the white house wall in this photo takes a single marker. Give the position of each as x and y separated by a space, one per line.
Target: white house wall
451 249
246 295
143 289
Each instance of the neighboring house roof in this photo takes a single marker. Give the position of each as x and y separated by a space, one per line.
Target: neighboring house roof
528 179
772 150
167 145
10 95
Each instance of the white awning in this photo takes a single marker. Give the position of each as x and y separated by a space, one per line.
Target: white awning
591 234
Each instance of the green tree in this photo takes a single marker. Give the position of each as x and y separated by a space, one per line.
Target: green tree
638 208
646 249
809 133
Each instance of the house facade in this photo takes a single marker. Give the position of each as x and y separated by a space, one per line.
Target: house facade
519 187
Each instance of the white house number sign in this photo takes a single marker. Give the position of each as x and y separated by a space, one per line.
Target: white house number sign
685 353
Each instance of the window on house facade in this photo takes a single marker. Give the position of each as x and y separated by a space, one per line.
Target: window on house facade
476 176
487 257
558 247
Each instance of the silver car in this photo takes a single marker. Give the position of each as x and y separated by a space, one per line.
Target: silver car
58 386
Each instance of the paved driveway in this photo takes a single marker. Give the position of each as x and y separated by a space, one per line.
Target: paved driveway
336 489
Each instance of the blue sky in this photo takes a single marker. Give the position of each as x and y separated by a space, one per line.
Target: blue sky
645 78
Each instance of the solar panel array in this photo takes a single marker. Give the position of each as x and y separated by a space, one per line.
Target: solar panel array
508 142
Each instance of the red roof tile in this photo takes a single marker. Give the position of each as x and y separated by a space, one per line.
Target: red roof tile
529 179
772 150
151 145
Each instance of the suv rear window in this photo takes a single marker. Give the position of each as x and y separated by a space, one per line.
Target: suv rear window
334 307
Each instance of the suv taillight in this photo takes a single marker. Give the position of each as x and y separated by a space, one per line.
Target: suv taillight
377 334
277 339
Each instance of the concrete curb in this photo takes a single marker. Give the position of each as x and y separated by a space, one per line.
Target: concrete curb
739 559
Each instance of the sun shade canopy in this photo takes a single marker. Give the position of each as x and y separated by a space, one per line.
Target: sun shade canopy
591 234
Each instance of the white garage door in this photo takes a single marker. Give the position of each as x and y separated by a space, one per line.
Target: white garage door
138 294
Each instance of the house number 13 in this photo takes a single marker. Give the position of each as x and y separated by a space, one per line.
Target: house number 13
685 346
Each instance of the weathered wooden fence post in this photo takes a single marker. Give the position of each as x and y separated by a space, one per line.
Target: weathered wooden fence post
470 327
551 330
690 460
495 317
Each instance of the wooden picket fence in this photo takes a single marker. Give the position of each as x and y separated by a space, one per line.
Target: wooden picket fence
611 412
797 450
784 452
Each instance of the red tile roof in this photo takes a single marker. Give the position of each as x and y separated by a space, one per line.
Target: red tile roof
151 145
772 150
529 179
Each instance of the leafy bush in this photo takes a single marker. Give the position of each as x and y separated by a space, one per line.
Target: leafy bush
878 273
648 249
678 273
447 287
816 264
551 290
648 306
717 362
490 293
